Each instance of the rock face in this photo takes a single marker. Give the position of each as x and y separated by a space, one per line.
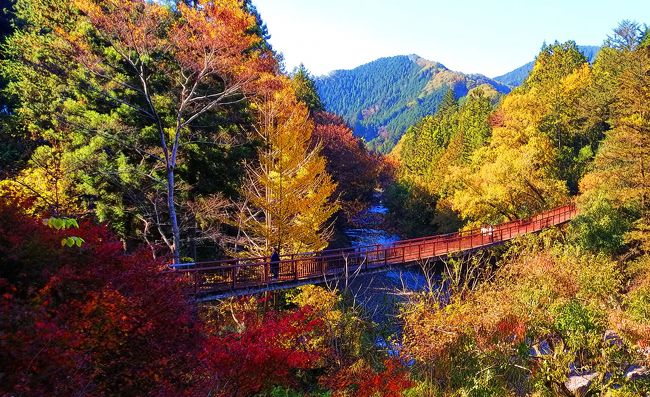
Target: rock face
579 384
541 349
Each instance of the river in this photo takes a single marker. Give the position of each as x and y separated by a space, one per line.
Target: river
380 293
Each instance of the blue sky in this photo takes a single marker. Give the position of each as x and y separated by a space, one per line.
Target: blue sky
488 37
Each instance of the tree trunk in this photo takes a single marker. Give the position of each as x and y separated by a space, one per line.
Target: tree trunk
193 239
172 215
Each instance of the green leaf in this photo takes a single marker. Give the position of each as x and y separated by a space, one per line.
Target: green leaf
72 241
57 223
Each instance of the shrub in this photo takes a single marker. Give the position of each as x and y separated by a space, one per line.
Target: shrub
391 379
268 352
638 304
579 326
600 227
598 277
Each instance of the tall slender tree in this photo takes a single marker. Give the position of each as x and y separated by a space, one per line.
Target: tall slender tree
621 171
288 191
305 88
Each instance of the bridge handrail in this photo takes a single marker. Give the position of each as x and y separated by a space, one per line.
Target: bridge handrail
284 258
238 274
230 276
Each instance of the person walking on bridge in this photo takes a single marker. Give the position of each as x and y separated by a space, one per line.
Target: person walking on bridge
275 264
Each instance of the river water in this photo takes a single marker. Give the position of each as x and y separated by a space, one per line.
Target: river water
370 226
380 293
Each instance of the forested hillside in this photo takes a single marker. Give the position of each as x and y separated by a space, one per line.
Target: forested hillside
489 161
564 313
167 143
384 97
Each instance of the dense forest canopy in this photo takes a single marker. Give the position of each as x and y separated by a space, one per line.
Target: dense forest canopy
165 125
137 134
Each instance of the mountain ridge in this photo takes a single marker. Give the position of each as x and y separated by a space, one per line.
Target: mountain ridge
381 98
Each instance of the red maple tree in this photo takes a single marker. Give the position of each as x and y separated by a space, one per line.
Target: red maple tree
91 320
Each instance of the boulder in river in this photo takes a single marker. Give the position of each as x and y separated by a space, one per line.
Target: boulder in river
578 385
635 372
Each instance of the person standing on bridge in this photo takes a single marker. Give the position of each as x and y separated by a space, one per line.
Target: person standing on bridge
275 263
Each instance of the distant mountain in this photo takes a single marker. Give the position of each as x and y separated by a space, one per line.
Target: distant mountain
519 75
381 99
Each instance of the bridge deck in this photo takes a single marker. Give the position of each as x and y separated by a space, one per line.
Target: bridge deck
234 277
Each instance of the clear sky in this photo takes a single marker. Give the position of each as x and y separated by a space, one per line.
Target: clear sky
471 36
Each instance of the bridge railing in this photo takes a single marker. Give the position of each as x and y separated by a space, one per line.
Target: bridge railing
232 274
366 248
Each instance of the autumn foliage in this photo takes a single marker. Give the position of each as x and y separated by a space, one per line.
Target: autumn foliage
287 192
171 123
348 161
90 319
362 380
98 321
268 352
147 79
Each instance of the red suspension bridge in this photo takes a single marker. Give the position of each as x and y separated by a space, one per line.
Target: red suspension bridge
243 276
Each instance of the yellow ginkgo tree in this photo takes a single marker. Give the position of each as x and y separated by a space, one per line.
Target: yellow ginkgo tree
287 193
